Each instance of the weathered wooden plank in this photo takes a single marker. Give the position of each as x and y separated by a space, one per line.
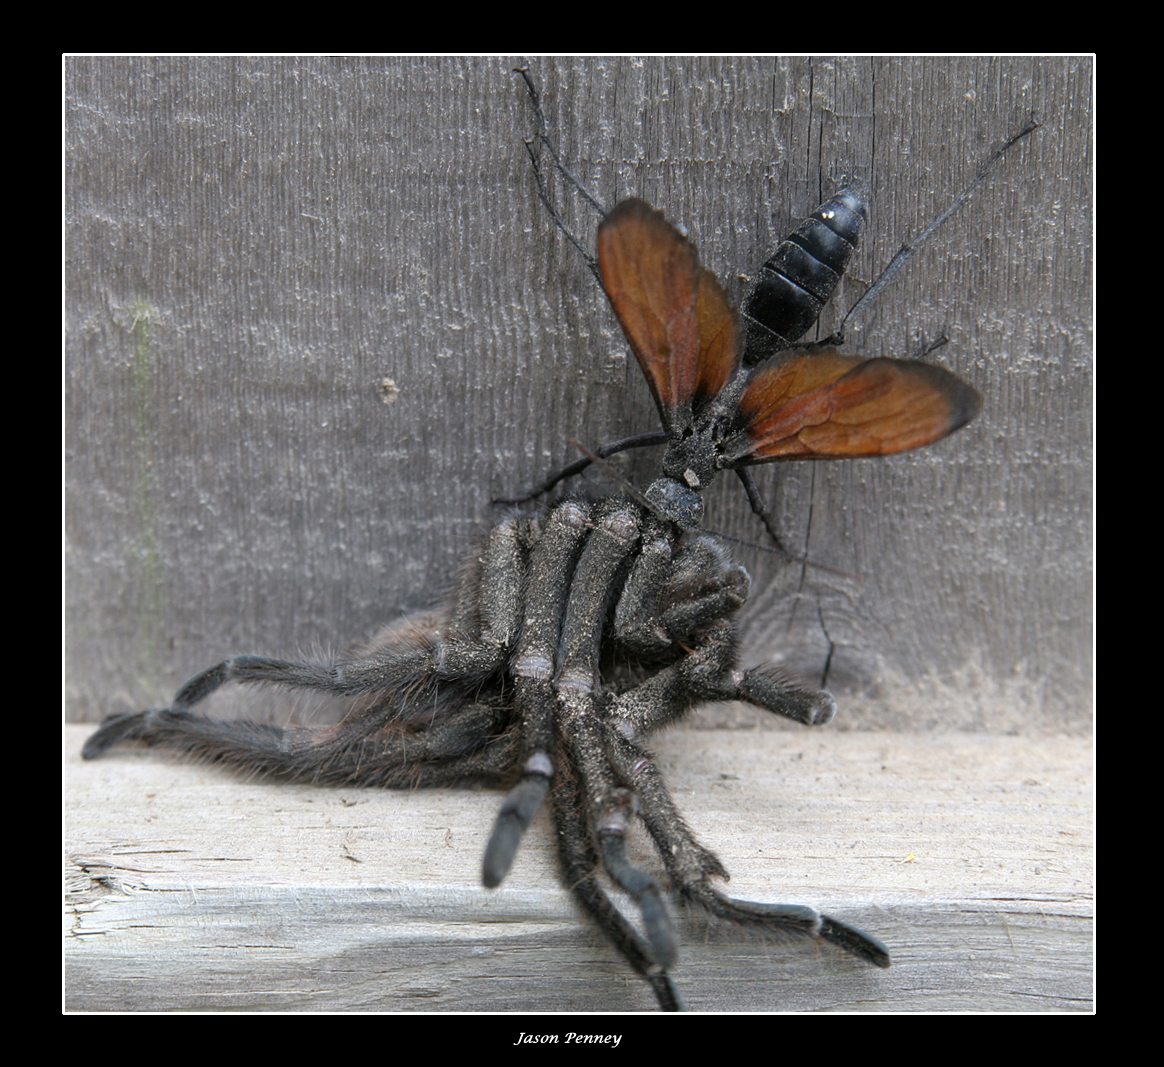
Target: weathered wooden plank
970 856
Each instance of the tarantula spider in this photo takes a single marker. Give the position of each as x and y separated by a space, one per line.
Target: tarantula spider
575 634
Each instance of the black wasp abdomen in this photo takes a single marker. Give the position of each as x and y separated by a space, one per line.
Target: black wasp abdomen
796 283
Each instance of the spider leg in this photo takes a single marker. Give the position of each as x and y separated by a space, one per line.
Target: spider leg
538 706
469 650
115 729
579 863
426 704
571 573
611 827
575 570
672 592
684 597
688 600
410 668
610 808
708 674
428 700
785 920
547 587
685 858
689 865
378 747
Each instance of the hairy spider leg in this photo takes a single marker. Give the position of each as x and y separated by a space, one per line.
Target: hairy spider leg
708 674
677 594
547 586
574 575
579 861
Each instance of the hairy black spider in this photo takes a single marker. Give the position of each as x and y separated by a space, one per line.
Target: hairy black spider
575 635
579 631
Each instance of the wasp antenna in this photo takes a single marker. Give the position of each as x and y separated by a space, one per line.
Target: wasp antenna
543 138
540 139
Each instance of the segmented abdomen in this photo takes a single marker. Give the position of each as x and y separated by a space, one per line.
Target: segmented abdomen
796 283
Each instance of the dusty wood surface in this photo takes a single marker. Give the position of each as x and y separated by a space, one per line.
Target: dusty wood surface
970 856
255 247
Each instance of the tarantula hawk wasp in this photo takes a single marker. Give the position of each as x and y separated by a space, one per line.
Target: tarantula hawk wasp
578 632
787 297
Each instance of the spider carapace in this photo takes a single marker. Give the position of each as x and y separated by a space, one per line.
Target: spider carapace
580 630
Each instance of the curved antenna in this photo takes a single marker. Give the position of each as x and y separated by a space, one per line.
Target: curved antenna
541 139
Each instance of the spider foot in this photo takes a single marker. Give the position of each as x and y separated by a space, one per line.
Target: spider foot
788 920
770 689
643 889
854 941
516 813
666 992
115 729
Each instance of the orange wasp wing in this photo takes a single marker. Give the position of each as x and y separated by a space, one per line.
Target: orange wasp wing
824 405
674 313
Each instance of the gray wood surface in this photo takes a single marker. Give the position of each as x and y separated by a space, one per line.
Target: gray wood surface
970 855
255 245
